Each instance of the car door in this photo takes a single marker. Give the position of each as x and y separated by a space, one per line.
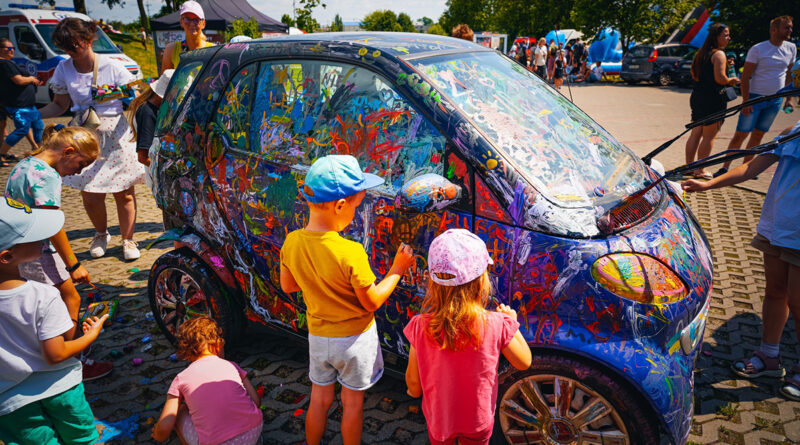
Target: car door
267 131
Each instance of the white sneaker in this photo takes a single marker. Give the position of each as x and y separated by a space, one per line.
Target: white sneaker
130 249
99 244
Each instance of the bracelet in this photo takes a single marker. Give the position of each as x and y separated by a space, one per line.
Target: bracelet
74 267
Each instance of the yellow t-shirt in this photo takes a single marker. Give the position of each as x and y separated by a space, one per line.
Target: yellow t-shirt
328 268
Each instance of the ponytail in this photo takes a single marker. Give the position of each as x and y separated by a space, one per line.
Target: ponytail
137 102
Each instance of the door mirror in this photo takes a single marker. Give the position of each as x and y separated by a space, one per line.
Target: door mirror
119 47
427 193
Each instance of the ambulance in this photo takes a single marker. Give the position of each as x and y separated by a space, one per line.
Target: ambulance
31 30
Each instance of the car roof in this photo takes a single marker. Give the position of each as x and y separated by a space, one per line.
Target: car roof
43 15
397 44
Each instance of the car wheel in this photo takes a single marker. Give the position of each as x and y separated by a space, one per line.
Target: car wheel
182 286
561 400
664 79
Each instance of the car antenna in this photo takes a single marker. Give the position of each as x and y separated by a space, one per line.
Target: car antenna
565 63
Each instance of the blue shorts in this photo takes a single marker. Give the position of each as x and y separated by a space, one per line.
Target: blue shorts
761 117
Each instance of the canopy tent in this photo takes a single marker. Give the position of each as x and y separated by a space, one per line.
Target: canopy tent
220 14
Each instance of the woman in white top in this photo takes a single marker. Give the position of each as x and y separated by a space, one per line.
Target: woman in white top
117 169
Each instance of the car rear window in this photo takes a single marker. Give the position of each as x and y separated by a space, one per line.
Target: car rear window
641 51
182 81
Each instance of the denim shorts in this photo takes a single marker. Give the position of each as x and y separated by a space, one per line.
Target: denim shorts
356 361
761 117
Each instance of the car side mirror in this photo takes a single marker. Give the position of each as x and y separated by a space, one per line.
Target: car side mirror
119 47
427 193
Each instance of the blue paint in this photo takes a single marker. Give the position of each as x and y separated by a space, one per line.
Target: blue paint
126 428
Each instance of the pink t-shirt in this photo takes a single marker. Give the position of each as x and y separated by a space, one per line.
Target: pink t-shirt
459 389
213 391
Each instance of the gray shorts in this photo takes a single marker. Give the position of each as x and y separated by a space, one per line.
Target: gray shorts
355 361
786 254
48 269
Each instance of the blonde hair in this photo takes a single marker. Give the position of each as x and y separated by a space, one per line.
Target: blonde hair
197 335
456 314
57 136
137 102
774 23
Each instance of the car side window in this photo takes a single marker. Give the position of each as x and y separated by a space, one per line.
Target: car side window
28 43
307 109
3 32
233 112
182 80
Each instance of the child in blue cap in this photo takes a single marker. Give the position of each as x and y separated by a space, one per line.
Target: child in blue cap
340 293
41 393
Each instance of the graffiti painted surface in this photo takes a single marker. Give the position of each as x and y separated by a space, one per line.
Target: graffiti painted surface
463 140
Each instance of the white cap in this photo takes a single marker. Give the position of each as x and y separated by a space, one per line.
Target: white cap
20 224
240 38
159 86
192 7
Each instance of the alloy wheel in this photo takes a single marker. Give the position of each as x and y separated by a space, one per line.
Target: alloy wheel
178 298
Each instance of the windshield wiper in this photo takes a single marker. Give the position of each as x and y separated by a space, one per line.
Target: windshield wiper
717 117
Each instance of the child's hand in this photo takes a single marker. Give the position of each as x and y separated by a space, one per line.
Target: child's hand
507 310
403 259
93 325
693 185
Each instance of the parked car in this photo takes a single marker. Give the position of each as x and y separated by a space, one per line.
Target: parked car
682 70
31 31
652 63
611 288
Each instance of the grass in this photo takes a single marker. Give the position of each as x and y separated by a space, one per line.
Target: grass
132 47
728 411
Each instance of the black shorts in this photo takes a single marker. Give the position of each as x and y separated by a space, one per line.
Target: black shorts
706 104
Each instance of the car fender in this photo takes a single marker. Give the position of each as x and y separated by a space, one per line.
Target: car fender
186 237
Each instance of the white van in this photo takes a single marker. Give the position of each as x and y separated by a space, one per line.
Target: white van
31 30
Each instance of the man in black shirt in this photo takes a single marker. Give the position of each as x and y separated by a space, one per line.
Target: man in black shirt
19 100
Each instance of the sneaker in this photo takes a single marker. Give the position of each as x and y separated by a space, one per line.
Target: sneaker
92 369
720 172
130 249
99 244
791 385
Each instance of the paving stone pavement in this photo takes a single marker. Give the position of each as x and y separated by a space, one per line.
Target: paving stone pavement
727 409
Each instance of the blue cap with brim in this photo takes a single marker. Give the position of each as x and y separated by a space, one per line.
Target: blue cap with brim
20 224
334 177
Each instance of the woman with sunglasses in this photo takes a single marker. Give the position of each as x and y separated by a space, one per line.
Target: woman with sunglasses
117 169
193 22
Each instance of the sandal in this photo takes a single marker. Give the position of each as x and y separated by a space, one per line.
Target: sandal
10 157
791 386
745 368
702 175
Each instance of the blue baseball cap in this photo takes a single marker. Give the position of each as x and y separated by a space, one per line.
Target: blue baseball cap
334 177
20 224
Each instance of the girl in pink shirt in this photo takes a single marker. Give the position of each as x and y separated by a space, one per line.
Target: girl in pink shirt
456 343
212 401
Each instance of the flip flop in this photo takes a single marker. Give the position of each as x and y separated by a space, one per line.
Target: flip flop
9 157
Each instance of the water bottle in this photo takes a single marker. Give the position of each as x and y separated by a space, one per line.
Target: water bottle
788 108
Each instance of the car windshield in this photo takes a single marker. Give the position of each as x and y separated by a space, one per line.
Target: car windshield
562 152
641 51
102 45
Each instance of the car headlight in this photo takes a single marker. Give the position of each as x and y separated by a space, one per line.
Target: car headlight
638 277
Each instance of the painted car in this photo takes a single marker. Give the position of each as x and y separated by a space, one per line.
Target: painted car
611 288
31 31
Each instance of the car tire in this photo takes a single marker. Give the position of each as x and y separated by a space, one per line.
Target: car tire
182 285
622 417
664 79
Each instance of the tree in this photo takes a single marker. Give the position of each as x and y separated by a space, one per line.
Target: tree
636 20
437 29
305 21
426 21
287 20
239 27
143 19
478 14
380 21
338 24
749 20
406 25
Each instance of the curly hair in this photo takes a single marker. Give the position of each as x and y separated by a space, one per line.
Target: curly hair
70 32
197 334
463 31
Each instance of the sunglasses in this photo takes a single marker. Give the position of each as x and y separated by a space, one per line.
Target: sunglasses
8 48
193 21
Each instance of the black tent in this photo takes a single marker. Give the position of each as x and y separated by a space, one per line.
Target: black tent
220 14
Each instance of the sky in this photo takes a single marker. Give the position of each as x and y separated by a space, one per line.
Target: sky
349 10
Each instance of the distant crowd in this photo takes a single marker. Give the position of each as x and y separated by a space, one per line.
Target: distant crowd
555 61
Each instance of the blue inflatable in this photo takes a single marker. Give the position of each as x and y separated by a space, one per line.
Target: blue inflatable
606 47
556 36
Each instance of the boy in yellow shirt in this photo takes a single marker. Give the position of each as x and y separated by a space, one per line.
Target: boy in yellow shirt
340 293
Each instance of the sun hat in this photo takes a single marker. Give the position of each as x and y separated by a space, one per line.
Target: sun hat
192 7
334 177
159 86
20 224
459 253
